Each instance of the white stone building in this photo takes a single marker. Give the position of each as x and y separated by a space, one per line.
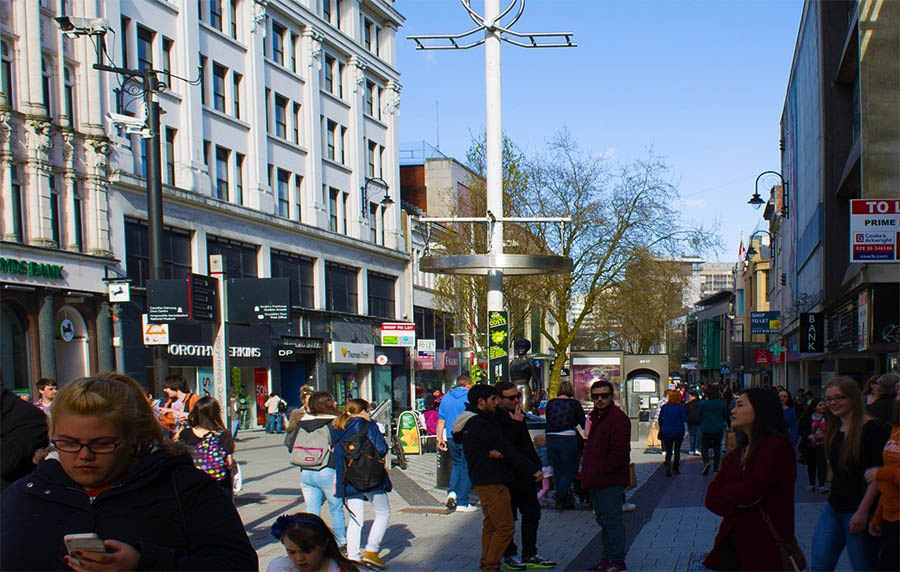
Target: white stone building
275 116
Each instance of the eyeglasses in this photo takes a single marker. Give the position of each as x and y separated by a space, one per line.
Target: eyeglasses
835 399
75 447
512 397
604 395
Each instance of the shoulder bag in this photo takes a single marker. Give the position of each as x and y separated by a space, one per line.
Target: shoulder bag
792 559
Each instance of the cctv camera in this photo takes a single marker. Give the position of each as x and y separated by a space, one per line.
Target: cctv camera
124 120
74 26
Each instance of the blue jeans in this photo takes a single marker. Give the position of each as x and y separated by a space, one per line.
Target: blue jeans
607 505
318 486
562 451
270 422
459 473
832 534
235 424
694 442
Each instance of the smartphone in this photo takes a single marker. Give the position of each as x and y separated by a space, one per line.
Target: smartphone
85 542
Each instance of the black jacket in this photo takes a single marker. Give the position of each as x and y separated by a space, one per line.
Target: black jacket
479 433
177 517
23 430
692 408
516 434
882 408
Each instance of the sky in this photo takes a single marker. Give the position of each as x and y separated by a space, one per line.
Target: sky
701 83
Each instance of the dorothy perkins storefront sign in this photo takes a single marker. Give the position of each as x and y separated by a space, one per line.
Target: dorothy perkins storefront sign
33 269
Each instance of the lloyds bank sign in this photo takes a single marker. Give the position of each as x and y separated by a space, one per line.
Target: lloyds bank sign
29 268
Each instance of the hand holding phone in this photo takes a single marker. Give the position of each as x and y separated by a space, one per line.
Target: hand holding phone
97 554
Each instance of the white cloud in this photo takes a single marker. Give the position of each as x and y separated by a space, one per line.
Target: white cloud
693 203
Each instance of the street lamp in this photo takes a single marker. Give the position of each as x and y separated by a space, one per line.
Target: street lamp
751 251
378 183
756 201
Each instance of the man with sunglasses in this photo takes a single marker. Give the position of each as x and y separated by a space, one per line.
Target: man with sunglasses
522 488
604 472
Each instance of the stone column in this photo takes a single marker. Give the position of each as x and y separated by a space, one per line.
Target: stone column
96 204
104 338
36 183
69 238
6 163
47 327
316 205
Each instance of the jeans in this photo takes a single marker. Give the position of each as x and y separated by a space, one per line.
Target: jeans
816 464
888 549
832 534
498 527
694 432
272 422
711 441
525 501
357 507
673 442
318 486
562 451
607 504
235 425
459 473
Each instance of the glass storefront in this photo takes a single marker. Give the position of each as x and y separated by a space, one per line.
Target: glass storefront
343 382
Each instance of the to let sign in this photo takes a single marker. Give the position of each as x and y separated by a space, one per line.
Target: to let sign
398 334
812 332
875 230
765 322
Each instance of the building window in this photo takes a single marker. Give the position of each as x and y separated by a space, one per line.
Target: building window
339 80
46 86
54 210
236 94
144 156
222 172
340 288
206 149
215 14
298 197
284 193
381 295
343 143
17 205
301 270
330 136
238 179
326 10
295 45
297 123
145 48
69 94
378 100
370 98
167 60
278 43
329 74
267 103
333 209
234 19
281 104
367 34
219 73
6 75
78 239
125 25
370 167
176 252
202 79
240 257
344 210
170 156
373 226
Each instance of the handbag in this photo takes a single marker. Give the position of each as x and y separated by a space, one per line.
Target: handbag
792 559
632 477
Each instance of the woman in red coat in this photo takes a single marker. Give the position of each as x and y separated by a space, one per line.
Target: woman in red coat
757 477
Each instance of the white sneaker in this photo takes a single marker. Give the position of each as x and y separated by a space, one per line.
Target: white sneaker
451 501
466 508
628 506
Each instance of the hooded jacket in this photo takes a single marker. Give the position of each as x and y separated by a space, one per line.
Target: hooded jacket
307 424
480 432
177 517
452 405
337 455
516 434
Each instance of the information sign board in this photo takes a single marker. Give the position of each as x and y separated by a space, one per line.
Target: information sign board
875 230
259 300
154 334
167 300
203 293
498 346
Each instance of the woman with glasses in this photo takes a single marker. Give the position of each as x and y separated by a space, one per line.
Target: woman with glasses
564 415
113 475
853 442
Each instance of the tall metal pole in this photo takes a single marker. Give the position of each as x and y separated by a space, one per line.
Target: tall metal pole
494 148
155 213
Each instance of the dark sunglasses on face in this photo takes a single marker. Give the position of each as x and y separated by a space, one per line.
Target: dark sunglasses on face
603 395
512 397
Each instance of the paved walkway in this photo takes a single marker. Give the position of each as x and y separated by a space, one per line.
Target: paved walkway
669 530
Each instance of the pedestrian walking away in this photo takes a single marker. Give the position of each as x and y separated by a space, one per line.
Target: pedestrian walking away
308 440
692 408
885 524
493 464
713 419
604 472
790 416
359 450
452 405
754 492
310 546
811 428
854 442
274 413
672 418
115 476
565 416
211 444
522 488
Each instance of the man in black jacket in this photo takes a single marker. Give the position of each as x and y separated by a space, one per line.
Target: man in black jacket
23 430
522 488
493 464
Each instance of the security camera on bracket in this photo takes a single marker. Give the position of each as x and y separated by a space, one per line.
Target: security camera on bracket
131 124
73 27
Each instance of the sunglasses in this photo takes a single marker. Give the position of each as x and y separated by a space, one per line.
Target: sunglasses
604 395
512 397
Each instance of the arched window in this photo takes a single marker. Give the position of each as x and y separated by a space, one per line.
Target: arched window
14 347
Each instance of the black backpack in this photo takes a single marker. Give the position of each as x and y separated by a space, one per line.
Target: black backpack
363 466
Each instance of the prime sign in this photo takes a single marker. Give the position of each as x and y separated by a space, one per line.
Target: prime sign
875 230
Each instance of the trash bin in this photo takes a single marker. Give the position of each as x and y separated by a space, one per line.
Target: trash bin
442 470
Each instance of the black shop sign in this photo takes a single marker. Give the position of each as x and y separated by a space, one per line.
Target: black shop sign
192 298
812 332
259 300
192 345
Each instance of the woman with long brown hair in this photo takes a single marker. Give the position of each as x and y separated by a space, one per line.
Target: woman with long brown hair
853 442
211 444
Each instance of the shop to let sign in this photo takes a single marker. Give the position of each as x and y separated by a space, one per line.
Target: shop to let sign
398 334
765 322
875 230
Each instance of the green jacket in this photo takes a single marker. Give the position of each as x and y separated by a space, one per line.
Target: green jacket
713 415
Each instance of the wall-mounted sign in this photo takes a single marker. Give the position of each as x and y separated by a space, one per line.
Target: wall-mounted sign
119 292
451 360
812 332
154 334
382 359
400 334
205 382
259 300
762 357
191 298
33 269
765 322
285 353
345 352
874 230
66 330
498 346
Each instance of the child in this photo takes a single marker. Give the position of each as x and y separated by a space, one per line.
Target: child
540 444
310 546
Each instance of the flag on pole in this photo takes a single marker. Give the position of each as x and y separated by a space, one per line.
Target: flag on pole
741 249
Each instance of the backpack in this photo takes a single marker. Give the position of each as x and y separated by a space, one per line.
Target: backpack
210 457
312 449
363 466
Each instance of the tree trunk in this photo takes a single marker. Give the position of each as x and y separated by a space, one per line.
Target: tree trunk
556 371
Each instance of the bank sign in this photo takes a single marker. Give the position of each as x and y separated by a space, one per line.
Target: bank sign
874 230
33 269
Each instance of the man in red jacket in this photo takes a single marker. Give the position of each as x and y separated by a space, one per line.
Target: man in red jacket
604 472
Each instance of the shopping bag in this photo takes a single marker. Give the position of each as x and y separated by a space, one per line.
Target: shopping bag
237 480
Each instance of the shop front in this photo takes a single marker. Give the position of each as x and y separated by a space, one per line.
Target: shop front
297 359
54 316
349 369
435 375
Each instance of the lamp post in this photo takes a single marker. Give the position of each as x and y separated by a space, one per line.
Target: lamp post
756 201
379 183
